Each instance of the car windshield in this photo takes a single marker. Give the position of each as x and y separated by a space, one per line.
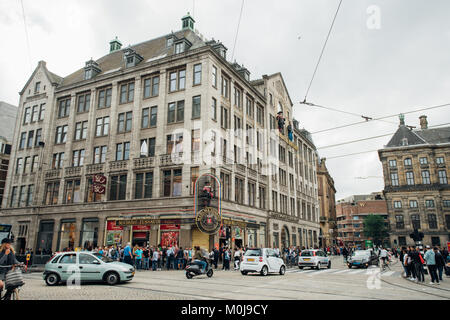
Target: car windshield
253 253
360 253
307 254
103 258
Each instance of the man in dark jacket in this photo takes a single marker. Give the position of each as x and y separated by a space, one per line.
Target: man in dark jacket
216 257
440 262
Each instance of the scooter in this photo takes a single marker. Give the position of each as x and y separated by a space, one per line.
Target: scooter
193 269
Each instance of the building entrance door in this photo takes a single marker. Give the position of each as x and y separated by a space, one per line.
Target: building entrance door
285 243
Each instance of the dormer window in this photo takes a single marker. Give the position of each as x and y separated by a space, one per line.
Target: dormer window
404 142
91 69
132 58
182 46
169 42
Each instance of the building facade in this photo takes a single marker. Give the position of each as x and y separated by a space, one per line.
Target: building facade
415 169
350 214
327 205
114 150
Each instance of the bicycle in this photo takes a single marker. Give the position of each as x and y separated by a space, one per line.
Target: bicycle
11 293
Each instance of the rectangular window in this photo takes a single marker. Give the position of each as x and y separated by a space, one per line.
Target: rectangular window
51 193
214 77
171 180
399 222
177 80
19 165
30 139
423 160
195 143
102 127
149 117
100 154
239 190
426 177
41 111
397 204
34 114
127 92
415 220
58 160
34 163
250 108
194 176
238 97
83 102
23 138
29 198
214 109
72 192
123 151
64 108
38 137
144 185
196 107
145 118
92 196
197 74
174 143
225 87
429 203
274 201
13 198
37 87
118 187
237 126
408 162
413 204
224 119
394 179
262 198
251 192
27 116
446 203
151 87
409 178
104 98
226 187
78 158
440 160
442 174
175 112
124 122
260 115
61 134
81 130
393 163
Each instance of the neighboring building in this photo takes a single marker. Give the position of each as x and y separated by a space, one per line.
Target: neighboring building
350 214
327 204
8 114
415 169
152 118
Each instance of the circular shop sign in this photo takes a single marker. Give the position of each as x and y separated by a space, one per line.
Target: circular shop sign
208 220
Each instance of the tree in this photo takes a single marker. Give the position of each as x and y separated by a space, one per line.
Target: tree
375 228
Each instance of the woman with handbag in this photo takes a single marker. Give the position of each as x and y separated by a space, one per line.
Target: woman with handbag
7 260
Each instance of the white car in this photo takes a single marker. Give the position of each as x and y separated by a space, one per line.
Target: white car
262 260
314 259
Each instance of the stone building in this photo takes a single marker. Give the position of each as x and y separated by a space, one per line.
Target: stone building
327 205
111 153
415 169
8 115
350 214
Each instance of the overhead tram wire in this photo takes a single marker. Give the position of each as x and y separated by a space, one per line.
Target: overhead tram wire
381 118
374 137
323 49
237 30
26 35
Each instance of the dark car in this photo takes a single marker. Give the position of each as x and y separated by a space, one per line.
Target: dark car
362 259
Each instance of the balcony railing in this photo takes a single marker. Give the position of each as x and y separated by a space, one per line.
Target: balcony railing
95 168
118 165
143 163
53 173
72 171
263 178
171 159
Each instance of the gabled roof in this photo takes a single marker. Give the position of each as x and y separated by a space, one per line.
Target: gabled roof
258 82
419 137
53 78
150 50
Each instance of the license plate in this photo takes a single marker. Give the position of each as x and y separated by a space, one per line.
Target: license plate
251 260
357 262
306 259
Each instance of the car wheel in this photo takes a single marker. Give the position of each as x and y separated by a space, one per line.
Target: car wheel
244 273
112 278
188 275
282 270
210 273
329 265
264 271
52 279
301 268
318 266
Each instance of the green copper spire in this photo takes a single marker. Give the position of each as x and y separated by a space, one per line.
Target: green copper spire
188 22
401 116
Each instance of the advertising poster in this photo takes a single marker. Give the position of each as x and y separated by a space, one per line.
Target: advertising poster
114 238
169 238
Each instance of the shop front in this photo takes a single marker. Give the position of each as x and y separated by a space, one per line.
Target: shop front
170 234
114 233
66 239
140 235
45 237
89 233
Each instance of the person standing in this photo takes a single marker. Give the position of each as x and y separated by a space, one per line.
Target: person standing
430 258
146 254
128 254
226 259
418 265
138 256
155 259
180 255
440 262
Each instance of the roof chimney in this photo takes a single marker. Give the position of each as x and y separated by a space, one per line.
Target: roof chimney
423 122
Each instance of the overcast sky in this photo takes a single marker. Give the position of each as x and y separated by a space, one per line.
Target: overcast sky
402 66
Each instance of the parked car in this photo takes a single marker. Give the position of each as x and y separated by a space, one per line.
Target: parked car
91 267
362 259
314 259
262 260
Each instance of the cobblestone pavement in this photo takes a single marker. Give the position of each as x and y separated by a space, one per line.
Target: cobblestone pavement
339 282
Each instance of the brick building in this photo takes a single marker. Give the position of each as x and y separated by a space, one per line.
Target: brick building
350 213
327 204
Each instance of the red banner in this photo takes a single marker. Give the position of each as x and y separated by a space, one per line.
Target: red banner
111 226
98 188
169 227
141 228
99 178
140 235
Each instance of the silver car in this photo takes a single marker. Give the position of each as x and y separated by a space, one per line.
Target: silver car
86 266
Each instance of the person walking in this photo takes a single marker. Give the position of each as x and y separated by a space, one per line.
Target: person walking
226 259
155 259
215 257
430 258
440 262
